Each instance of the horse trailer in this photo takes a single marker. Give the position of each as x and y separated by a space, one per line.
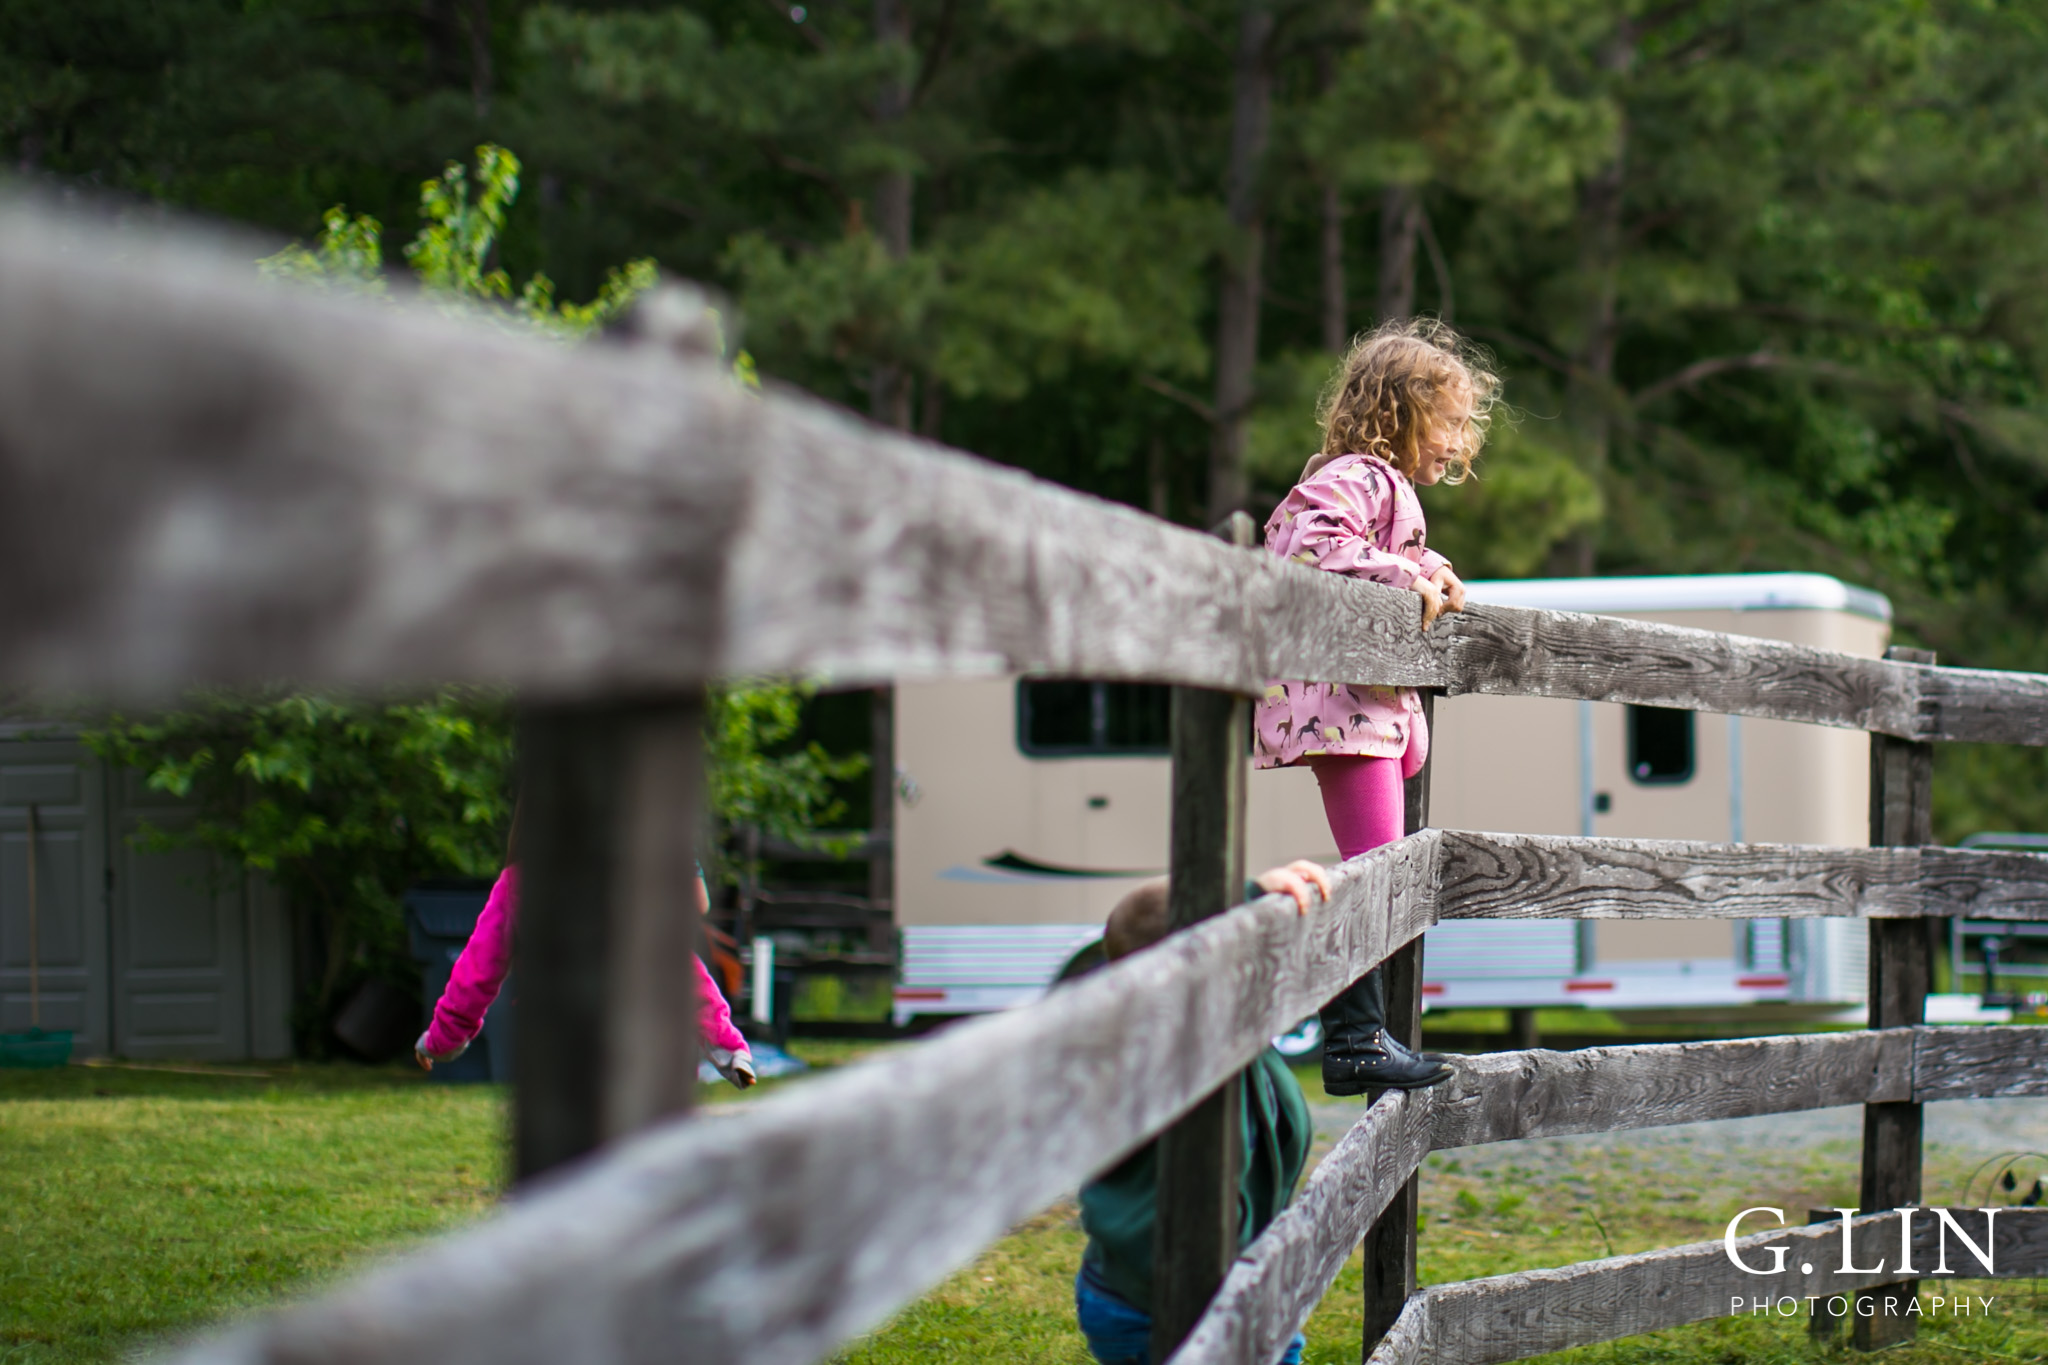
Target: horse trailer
1027 806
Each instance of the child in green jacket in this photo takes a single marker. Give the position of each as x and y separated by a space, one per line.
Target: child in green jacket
1113 1292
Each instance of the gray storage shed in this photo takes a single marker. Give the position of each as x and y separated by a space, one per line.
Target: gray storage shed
143 953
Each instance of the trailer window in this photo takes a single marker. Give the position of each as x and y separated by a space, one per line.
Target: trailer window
1660 745
1064 719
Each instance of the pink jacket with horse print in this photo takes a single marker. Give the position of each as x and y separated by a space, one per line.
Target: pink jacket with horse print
1355 515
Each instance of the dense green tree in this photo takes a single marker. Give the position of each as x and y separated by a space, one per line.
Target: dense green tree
1766 280
346 801
267 112
878 248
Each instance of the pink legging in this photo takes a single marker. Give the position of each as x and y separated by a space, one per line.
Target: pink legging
1363 798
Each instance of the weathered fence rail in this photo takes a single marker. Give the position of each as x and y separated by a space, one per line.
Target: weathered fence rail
795 1222
1506 1096
334 492
323 489
781 1229
1509 1317
1531 876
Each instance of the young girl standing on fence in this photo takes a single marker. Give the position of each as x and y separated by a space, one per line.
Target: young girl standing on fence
479 973
1409 406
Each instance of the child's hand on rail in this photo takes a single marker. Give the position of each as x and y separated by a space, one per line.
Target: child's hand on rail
1442 591
1294 880
1452 587
1432 599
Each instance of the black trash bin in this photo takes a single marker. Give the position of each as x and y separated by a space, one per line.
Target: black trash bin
439 917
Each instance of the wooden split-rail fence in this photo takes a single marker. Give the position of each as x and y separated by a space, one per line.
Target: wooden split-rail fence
207 480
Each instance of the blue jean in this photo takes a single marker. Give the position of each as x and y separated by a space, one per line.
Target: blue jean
1120 1333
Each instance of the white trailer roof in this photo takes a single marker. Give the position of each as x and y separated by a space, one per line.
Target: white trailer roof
1686 592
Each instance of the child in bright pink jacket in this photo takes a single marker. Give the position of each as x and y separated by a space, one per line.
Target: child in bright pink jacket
480 971
1408 406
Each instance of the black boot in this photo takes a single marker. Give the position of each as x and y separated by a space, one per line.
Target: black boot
1359 1055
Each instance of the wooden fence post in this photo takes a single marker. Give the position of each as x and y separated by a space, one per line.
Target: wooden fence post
1901 970
1390 1245
1195 1230
607 1038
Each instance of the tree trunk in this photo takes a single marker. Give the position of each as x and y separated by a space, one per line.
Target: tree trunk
1336 325
1336 310
442 41
890 395
476 17
1237 325
1400 225
1446 299
1590 396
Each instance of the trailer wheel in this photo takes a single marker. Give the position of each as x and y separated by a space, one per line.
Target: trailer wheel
1303 1041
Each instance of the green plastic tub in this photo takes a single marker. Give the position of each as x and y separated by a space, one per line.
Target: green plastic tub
37 1047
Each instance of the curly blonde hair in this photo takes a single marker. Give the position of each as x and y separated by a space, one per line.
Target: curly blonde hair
1395 388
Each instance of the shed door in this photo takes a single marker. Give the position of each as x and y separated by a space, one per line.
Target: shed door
180 942
71 945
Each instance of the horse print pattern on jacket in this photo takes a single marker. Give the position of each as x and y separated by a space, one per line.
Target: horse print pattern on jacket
1356 515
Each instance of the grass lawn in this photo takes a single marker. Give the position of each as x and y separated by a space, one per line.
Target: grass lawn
1489 1211
138 1203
